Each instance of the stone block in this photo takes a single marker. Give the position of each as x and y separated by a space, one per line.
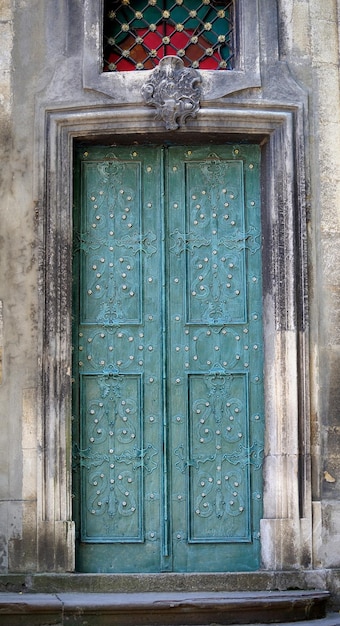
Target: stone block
333 584
6 38
29 418
5 10
325 97
29 474
15 513
23 544
301 28
328 149
324 31
326 209
330 262
4 484
280 544
5 96
325 13
330 479
329 550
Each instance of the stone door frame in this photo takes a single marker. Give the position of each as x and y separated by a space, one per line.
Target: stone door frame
286 523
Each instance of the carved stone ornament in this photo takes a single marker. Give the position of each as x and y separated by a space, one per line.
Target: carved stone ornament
174 90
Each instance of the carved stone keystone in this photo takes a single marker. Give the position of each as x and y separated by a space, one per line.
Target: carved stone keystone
174 90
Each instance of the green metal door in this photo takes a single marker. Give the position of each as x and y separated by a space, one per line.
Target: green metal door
168 394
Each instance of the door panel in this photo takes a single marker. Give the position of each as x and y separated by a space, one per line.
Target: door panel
168 359
120 360
214 355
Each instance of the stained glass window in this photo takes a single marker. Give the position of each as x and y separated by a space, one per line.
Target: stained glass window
137 34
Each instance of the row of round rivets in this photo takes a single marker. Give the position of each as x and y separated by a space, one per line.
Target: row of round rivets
215 266
176 280
237 292
199 265
118 334
187 153
254 379
121 260
223 259
111 233
93 198
208 333
210 363
204 495
178 380
176 205
119 363
178 318
219 446
200 278
121 192
112 481
98 288
122 412
122 432
207 404
216 348
211 480
113 212
124 504
214 215
231 502
180 419
203 216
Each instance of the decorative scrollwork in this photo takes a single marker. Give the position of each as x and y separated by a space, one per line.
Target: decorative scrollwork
174 90
252 455
186 241
137 243
240 240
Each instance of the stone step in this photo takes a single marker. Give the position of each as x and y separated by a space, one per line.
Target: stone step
268 580
331 619
161 608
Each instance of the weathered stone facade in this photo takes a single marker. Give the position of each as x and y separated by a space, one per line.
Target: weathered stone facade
287 99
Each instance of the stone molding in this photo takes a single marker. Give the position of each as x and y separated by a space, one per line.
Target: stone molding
278 130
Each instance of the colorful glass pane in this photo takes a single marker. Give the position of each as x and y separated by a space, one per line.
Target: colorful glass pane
138 34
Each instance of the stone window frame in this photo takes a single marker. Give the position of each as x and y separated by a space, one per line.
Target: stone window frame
125 87
286 524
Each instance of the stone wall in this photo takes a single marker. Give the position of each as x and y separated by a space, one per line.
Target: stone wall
310 44
6 98
41 61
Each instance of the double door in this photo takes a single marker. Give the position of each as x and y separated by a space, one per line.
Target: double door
168 389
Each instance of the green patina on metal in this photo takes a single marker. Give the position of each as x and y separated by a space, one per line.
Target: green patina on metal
168 359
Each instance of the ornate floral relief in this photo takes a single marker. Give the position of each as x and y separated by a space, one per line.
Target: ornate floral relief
174 90
114 458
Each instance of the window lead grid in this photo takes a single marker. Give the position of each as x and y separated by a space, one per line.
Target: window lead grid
138 34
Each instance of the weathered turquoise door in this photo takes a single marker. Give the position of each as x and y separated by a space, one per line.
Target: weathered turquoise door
168 394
